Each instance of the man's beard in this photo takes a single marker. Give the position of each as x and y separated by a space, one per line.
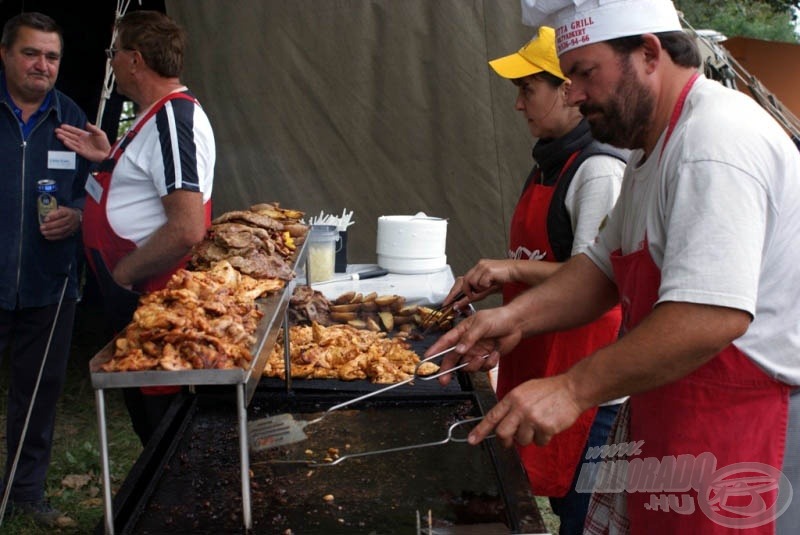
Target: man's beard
623 121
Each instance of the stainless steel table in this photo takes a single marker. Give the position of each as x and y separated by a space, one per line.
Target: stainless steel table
245 382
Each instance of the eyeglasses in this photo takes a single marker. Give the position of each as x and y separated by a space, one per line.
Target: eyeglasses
111 52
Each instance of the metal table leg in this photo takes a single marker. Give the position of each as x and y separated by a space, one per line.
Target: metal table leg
100 401
287 351
244 456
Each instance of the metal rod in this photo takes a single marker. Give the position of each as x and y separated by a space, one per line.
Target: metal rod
244 458
108 507
287 351
395 385
12 473
445 440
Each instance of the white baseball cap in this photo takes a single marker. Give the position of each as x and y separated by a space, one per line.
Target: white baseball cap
583 22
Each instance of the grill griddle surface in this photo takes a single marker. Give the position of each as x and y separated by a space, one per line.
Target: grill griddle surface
200 487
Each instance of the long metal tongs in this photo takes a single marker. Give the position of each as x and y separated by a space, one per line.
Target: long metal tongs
433 318
282 429
451 437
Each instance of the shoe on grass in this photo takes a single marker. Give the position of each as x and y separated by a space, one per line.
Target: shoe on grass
42 513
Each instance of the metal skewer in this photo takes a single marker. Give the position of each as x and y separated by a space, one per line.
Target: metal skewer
449 438
24 432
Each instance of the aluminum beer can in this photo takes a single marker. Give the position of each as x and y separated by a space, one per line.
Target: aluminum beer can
46 201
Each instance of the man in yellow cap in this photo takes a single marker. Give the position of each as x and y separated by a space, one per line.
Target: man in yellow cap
570 190
701 250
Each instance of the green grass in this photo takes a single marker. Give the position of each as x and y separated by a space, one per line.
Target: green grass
551 521
74 481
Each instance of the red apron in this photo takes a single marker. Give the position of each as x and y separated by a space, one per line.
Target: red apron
728 408
105 248
98 237
550 468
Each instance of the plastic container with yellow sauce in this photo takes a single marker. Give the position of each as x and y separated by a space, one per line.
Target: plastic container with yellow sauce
321 254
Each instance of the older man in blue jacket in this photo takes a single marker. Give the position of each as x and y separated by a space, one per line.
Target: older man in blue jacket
38 280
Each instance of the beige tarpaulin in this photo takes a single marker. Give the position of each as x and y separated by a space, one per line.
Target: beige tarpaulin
383 107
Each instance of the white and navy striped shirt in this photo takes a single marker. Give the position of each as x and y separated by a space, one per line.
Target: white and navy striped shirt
174 150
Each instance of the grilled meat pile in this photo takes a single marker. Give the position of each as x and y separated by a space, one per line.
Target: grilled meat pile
346 353
201 320
371 311
307 305
258 242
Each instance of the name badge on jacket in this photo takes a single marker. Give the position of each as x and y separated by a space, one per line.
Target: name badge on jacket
94 189
60 159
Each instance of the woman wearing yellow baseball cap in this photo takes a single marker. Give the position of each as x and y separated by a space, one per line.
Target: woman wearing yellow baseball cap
573 185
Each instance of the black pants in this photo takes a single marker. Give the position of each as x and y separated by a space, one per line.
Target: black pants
24 333
119 304
146 411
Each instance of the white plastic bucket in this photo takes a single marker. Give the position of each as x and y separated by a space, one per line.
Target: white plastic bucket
411 244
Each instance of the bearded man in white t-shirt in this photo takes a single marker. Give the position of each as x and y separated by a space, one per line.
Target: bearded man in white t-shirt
700 249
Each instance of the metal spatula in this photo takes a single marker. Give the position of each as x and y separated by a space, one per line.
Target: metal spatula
283 429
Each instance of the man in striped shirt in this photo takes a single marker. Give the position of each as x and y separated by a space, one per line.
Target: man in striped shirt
150 200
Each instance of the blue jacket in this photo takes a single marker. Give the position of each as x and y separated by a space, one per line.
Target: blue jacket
32 269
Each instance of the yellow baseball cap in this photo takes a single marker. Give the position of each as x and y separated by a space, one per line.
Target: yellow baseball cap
538 55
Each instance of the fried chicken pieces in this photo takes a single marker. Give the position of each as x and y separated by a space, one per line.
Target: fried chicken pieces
201 320
346 353
206 317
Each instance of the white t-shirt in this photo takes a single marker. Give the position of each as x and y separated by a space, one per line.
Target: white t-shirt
147 170
721 214
591 196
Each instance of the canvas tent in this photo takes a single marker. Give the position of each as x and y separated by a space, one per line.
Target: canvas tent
378 106
382 107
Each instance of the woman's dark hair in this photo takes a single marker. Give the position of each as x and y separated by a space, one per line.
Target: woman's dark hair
550 79
680 46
